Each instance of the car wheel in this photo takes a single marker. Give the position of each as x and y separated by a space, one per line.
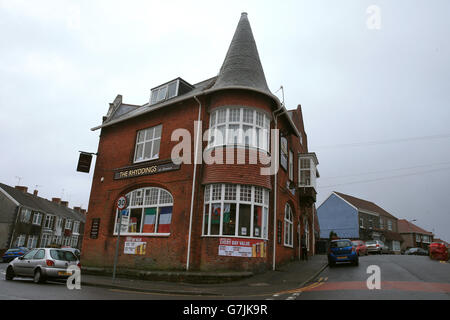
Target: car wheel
9 274
38 277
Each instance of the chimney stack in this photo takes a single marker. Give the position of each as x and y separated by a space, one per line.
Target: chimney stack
56 200
35 193
22 188
83 211
77 209
65 203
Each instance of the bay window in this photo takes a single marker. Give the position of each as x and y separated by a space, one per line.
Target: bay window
239 126
307 170
236 210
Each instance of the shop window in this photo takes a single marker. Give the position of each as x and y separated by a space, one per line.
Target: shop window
149 213
235 210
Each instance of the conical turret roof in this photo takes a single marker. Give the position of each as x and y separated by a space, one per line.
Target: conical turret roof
242 67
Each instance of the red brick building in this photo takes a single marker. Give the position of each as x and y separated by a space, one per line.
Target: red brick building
226 214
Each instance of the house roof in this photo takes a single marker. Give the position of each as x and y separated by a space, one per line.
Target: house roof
365 205
242 66
43 205
241 69
405 226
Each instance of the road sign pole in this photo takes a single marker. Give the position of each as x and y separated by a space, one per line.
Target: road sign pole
121 204
117 244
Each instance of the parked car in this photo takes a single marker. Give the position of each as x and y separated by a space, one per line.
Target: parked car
13 253
438 251
342 250
376 246
42 264
416 251
75 251
361 248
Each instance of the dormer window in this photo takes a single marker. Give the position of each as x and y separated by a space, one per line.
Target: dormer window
307 164
169 90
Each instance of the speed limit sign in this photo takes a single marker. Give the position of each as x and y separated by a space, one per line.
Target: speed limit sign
122 203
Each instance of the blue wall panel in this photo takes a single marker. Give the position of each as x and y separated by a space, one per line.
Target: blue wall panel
337 215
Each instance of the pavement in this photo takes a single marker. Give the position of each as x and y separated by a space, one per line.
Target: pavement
290 276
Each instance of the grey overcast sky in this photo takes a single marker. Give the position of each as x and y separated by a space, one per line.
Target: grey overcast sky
375 101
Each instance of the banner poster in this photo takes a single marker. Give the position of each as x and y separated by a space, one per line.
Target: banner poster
247 248
134 246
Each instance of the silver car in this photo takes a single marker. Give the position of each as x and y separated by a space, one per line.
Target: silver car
376 246
42 264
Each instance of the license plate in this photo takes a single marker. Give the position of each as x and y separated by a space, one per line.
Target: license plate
61 273
342 258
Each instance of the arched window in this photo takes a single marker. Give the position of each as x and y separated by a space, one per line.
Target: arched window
149 212
288 226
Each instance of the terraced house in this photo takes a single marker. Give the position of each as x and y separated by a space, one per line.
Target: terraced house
27 220
195 165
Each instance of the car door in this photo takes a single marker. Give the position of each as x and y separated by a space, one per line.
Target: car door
37 260
21 265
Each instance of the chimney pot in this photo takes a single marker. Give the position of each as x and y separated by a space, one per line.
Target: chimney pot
22 188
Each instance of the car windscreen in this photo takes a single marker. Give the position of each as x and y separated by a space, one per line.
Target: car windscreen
341 244
371 242
62 255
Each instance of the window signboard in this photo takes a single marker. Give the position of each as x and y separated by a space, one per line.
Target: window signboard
248 248
134 246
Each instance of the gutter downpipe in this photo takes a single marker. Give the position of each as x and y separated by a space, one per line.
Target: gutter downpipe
275 115
196 143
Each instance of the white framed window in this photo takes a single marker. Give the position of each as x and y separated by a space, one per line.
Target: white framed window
239 126
149 213
48 222
66 241
37 218
288 226
20 241
291 165
76 227
26 215
68 225
32 242
381 223
74 241
361 223
418 238
59 223
45 240
148 143
236 211
307 170
164 92
389 225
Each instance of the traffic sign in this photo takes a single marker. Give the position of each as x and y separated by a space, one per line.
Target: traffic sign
122 203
